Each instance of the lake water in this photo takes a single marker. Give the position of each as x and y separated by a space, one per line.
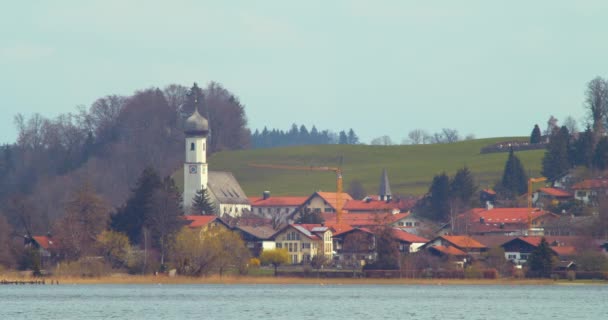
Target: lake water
303 302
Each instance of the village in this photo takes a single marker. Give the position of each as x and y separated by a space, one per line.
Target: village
379 235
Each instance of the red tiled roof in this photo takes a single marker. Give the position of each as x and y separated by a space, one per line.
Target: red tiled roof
452 251
505 215
331 199
339 229
591 184
199 221
372 205
45 242
489 191
407 237
559 193
564 251
365 219
464 242
277 201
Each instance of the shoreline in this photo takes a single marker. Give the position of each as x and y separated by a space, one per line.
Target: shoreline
232 280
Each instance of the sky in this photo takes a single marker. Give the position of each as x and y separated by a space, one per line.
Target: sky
488 68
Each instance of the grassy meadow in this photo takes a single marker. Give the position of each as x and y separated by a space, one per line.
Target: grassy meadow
410 167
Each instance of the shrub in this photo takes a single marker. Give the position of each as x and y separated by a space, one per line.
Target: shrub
254 263
84 267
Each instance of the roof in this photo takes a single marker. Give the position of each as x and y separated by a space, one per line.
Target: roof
555 192
45 242
451 251
199 221
591 184
489 191
196 124
464 242
564 251
505 215
371 205
364 219
225 189
305 229
493 241
331 199
277 201
404 236
260 232
385 187
339 229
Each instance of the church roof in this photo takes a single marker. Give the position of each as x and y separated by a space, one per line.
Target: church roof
385 187
225 188
196 124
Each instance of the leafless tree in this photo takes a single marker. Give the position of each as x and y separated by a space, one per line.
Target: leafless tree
551 126
382 141
450 135
596 103
416 136
571 125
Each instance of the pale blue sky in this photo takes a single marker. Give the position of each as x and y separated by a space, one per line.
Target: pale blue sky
491 68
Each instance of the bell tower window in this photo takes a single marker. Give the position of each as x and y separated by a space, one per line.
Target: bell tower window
192 146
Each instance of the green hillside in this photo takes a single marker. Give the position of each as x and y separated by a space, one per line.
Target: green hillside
410 168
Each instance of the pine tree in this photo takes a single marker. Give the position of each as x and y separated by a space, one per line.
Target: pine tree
202 203
310 217
352 137
600 157
343 139
581 151
535 137
557 160
130 218
462 186
541 260
514 179
439 194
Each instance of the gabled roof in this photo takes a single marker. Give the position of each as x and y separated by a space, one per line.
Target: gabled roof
404 236
591 184
489 191
338 229
302 229
277 201
371 205
225 189
451 251
505 215
555 192
45 242
260 232
331 198
199 221
464 242
493 241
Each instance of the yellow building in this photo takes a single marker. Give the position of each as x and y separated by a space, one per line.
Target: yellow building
304 241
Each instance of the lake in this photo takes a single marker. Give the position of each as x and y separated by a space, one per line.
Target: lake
303 302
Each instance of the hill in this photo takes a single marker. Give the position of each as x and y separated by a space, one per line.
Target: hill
410 167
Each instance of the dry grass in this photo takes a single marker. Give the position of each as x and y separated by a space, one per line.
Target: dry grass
229 280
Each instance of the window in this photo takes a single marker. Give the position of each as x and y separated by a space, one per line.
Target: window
401 224
512 257
524 256
290 246
192 146
279 245
329 210
416 224
408 224
305 246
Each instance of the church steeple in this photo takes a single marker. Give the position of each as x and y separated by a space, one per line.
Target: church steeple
384 192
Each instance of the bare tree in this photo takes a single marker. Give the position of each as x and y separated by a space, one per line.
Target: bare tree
356 190
551 126
596 103
571 125
382 141
450 135
416 136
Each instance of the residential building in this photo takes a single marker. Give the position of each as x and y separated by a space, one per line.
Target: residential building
278 208
505 221
367 219
552 196
304 241
324 202
588 190
466 244
519 249
354 247
257 238
408 242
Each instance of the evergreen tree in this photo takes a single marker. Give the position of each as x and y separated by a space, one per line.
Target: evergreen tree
462 186
130 218
514 179
541 260
202 204
581 152
310 217
535 137
600 157
557 160
439 202
343 138
164 217
352 137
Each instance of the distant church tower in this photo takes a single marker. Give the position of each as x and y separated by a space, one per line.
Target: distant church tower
196 129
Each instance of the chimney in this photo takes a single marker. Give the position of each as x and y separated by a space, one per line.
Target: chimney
489 205
482 220
265 195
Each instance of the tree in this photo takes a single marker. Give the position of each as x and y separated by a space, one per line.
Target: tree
535 137
191 253
462 188
352 137
596 103
114 247
557 157
592 260
86 217
571 124
582 149
439 194
551 126
541 260
343 138
600 156
382 141
274 257
6 233
416 136
163 218
310 217
131 217
230 251
202 203
450 135
514 179
387 249
356 190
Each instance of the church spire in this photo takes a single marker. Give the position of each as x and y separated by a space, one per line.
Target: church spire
384 192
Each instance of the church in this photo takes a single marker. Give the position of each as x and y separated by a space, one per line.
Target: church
223 188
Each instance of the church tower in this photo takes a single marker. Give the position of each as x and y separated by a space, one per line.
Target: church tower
196 129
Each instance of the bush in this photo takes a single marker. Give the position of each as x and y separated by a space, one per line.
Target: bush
254 263
472 272
84 267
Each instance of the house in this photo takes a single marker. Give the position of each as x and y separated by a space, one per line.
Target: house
281 209
413 223
588 190
46 246
205 223
487 196
257 238
505 221
552 196
463 243
408 242
569 225
519 249
304 241
366 219
324 202
354 247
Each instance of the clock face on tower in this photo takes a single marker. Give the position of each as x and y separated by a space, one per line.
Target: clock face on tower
192 169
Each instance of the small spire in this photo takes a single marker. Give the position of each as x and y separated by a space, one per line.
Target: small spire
384 191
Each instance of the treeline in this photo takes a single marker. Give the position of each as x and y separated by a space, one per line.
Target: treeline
107 145
300 135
